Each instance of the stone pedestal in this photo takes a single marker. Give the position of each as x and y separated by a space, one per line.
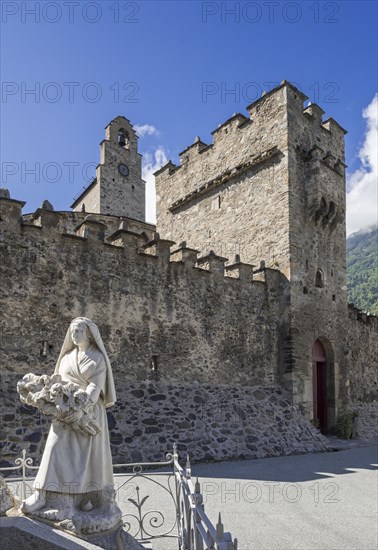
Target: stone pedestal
81 514
27 533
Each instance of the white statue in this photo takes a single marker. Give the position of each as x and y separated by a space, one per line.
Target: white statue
76 473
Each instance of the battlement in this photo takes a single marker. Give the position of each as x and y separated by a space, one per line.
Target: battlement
90 230
150 295
272 118
367 318
69 220
216 198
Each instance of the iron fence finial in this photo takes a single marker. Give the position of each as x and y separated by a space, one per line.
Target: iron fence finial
188 467
220 527
197 486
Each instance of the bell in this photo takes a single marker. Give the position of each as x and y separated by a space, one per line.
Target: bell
122 140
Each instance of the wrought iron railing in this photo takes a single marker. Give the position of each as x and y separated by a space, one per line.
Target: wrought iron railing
141 521
23 463
196 532
185 520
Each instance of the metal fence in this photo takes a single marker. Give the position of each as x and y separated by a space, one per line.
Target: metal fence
183 518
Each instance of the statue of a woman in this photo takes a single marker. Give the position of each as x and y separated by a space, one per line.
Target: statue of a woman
77 464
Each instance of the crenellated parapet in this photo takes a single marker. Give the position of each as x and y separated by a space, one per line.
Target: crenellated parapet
280 165
161 248
91 229
240 270
11 211
365 317
126 238
198 313
242 140
70 222
47 227
185 255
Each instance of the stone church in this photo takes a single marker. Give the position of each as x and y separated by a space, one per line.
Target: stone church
227 324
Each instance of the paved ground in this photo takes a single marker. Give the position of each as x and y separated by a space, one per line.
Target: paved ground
324 501
321 501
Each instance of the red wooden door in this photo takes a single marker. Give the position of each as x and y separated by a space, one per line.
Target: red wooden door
319 366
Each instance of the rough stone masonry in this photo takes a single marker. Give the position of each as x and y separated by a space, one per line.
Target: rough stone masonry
245 313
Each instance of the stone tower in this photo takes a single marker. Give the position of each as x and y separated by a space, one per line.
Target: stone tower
118 188
271 188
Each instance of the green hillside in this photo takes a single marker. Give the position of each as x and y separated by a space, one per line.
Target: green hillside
362 269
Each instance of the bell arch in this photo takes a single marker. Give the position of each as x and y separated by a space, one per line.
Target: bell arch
123 138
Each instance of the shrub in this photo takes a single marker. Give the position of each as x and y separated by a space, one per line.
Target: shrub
345 425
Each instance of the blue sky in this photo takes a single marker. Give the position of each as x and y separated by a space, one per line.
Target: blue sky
153 62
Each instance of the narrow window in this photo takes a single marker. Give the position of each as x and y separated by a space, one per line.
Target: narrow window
319 282
154 362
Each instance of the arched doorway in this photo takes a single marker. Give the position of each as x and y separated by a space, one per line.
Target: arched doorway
319 385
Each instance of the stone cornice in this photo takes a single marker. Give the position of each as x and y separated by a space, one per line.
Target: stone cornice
225 176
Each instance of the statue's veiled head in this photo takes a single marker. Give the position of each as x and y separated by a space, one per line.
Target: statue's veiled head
80 332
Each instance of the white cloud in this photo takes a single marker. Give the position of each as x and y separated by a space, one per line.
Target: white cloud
146 130
151 163
362 197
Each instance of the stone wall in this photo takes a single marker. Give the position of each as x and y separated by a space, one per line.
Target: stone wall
253 189
362 352
210 422
367 420
272 187
197 324
89 200
223 196
361 378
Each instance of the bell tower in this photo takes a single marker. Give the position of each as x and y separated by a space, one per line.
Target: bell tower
118 188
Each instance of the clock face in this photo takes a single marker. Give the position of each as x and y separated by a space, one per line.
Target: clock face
123 170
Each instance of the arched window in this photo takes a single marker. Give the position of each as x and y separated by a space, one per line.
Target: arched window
123 139
319 279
